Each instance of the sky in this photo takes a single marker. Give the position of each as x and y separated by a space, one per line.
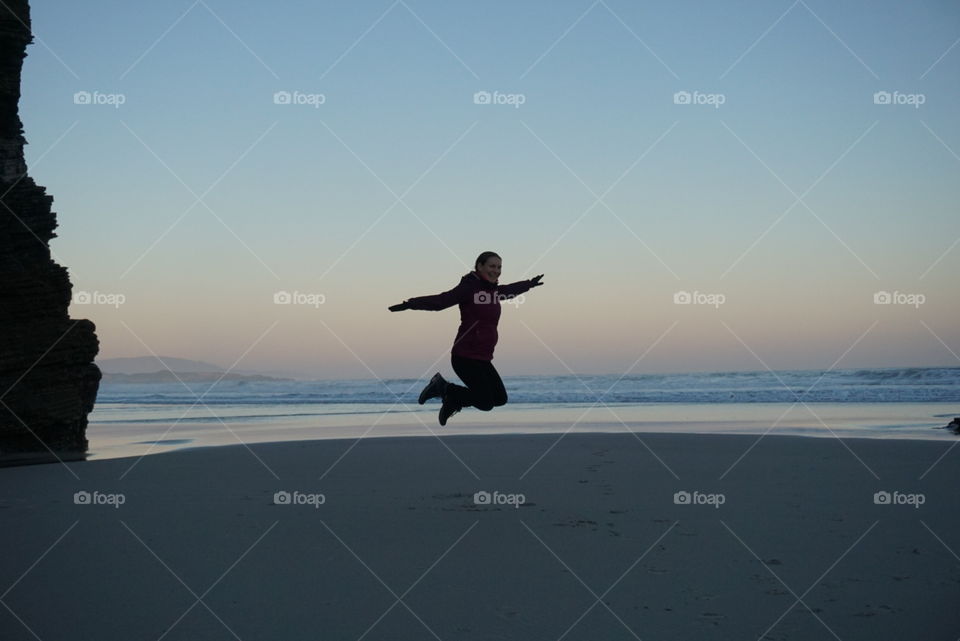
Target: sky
705 186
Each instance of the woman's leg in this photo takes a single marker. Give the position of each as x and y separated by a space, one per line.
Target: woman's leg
484 389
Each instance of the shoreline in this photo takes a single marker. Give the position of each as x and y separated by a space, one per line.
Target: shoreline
174 445
440 433
112 440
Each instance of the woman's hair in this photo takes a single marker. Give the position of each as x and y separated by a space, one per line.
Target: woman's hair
484 257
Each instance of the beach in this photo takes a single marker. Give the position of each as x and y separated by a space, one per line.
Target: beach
540 321
545 536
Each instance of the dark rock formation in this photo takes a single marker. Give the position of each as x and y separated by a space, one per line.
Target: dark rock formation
48 382
953 426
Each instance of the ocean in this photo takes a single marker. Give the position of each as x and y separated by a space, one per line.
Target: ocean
875 403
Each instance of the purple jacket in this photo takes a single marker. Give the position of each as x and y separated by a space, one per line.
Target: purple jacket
479 302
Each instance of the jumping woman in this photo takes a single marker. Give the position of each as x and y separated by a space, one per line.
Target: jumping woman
478 296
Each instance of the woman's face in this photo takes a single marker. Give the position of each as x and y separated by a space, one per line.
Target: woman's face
490 270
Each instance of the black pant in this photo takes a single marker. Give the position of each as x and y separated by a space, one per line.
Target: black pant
484 389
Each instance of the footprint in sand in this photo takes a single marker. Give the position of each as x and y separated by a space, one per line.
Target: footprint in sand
712 617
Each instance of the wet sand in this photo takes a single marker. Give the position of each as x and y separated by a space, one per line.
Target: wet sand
592 536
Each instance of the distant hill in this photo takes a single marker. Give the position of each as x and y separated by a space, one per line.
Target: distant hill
167 376
150 364
167 369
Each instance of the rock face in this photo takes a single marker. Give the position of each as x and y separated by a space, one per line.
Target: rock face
48 382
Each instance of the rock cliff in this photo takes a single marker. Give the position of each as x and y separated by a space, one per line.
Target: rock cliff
48 382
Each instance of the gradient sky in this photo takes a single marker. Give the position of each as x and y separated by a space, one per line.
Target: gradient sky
798 198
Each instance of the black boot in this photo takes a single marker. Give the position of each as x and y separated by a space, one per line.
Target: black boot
448 409
436 388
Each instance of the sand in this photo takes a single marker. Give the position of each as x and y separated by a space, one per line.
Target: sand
582 539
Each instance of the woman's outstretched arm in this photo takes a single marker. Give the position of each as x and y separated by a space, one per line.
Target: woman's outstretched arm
519 287
433 303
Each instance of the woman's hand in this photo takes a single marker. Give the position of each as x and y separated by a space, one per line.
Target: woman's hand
535 281
399 307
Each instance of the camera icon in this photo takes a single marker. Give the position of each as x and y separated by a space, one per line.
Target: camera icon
281 98
682 98
282 298
881 498
682 298
281 498
681 498
882 298
482 98
481 498
882 98
82 298
82 98
81 498
482 298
